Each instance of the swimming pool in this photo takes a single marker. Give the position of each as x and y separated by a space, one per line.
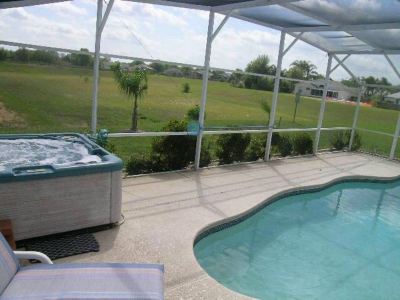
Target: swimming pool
342 242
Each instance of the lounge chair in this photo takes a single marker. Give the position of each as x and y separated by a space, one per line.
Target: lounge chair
48 281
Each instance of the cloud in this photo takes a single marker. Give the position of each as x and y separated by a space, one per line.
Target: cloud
66 9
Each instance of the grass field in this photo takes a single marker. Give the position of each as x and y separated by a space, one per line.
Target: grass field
40 98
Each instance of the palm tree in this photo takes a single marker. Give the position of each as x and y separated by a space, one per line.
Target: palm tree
133 84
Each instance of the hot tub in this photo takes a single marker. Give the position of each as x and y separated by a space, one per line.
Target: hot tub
55 183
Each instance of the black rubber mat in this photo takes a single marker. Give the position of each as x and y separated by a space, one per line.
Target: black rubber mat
63 246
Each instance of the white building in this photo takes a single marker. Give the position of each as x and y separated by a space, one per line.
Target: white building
393 98
336 90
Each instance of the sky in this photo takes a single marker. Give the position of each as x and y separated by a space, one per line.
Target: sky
167 33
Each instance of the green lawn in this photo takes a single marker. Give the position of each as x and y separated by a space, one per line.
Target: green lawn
58 99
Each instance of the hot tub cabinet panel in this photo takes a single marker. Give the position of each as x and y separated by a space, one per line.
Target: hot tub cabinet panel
64 199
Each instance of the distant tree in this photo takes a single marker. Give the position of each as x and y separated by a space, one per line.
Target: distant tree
307 68
158 67
137 62
133 84
3 54
22 55
236 78
186 71
81 59
260 65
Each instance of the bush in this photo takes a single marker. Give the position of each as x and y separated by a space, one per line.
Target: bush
193 113
186 88
176 152
357 143
285 146
205 155
338 140
341 139
302 144
231 147
138 165
256 149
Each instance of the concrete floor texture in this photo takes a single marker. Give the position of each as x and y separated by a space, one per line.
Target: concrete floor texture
164 212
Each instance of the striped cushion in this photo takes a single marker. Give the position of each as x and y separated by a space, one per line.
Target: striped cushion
87 281
8 264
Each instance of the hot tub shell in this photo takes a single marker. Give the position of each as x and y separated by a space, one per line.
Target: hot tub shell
43 200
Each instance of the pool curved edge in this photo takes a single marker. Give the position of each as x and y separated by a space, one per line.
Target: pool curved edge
238 218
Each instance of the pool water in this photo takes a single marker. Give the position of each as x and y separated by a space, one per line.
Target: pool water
339 243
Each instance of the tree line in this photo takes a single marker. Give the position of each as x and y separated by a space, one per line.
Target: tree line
299 69
23 55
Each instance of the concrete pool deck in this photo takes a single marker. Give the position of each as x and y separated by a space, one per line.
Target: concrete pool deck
165 212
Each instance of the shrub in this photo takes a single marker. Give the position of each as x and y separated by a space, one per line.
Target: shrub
256 149
357 143
176 152
302 144
186 88
193 113
285 146
205 155
338 140
341 139
231 147
138 165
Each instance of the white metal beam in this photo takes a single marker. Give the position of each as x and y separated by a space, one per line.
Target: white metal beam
275 97
13 4
341 62
172 3
392 65
395 139
226 18
248 4
292 43
355 118
106 14
204 89
360 27
96 66
100 23
265 24
323 103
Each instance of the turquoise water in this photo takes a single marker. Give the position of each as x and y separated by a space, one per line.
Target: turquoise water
339 243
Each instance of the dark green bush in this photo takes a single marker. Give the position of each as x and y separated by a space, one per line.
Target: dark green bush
357 142
338 140
138 165
205 155
256 149
285 146
174 152
302 144
177 152
193 113
231 147
186 88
